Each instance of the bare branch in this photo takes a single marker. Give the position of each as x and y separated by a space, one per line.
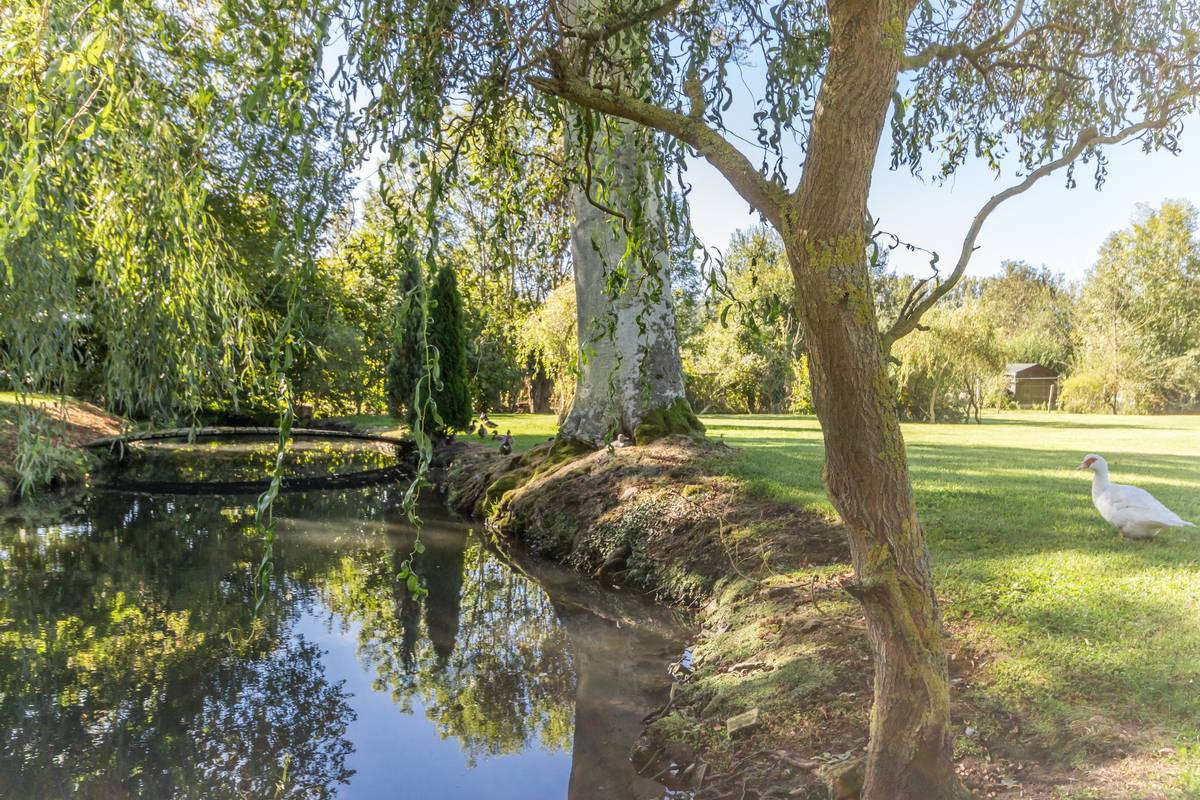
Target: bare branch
909 321
768 197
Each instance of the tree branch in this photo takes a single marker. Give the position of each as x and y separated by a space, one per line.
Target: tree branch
911 318
948 51
766 196
607 31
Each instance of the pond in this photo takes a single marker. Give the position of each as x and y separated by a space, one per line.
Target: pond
133 664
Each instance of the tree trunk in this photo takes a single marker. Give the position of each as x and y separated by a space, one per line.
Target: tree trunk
538 387
631 375
866 469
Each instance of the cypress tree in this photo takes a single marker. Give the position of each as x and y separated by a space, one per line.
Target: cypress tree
406 363
448 334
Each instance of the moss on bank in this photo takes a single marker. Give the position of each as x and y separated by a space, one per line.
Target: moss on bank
676 419
776 633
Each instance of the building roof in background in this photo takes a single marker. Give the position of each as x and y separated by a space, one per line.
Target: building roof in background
1033 367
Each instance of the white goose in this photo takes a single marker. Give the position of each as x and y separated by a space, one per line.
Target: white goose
1134 512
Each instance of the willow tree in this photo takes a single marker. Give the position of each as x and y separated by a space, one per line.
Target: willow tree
125 130
1031 88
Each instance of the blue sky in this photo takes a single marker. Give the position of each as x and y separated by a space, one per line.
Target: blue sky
1049 224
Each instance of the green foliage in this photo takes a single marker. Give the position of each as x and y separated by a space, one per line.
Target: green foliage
1086 393
549 339
404 368
1032 312
743 355
447 335
945 370
1140 313
149 156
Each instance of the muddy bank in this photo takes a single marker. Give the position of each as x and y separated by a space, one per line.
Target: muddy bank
774 702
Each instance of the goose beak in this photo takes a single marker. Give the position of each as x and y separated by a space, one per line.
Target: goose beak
1082 466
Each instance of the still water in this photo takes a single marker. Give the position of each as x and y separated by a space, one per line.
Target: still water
133 664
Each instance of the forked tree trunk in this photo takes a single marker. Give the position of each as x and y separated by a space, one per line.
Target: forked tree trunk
866 469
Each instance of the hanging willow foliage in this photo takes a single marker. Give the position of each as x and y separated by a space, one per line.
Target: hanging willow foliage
120 124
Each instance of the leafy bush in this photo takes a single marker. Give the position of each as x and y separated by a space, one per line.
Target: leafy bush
1086 393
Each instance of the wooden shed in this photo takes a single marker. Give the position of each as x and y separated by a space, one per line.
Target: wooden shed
1032 385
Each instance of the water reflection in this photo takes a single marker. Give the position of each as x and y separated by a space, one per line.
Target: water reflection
131 664
249 458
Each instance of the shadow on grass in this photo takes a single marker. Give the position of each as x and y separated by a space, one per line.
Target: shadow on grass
1074 423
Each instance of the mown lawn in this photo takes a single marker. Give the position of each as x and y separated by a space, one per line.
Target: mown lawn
1092 641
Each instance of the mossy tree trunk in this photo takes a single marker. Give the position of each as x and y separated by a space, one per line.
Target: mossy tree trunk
866 469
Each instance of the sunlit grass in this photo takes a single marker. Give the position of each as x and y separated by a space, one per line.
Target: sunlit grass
527 429
1078 623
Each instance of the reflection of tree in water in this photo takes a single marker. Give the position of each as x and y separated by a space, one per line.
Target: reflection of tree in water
248 458
491 666
280 711
117 678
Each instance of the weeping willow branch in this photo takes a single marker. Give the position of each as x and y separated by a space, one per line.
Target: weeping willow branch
919 303
766 196
949 51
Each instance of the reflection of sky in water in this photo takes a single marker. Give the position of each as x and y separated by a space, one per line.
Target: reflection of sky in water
401 754
132 665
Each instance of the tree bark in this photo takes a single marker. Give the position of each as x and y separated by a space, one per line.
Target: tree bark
630 364
631 374
866 469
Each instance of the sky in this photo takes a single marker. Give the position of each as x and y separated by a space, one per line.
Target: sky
1047 225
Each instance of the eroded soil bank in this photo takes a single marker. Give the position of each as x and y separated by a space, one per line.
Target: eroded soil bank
68 424
775 697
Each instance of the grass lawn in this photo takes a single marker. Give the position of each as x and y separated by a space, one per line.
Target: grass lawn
1092 642
1089 638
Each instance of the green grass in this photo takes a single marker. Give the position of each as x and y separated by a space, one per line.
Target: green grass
1083 630
1081 623
527 429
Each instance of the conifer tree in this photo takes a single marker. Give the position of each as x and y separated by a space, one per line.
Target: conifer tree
405 365
448 335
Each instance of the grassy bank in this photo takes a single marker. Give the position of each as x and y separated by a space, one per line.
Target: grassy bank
66 424
1078 653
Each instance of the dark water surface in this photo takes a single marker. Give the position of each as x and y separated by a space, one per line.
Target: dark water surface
132 663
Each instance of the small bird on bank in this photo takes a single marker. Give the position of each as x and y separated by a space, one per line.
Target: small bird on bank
622 441
1134 512
506 444
482 432
484 419
495 436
